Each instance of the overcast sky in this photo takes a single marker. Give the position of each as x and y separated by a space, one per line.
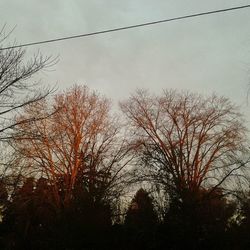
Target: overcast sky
205 54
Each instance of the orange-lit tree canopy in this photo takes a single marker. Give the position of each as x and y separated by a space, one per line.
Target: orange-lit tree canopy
77 147
185 141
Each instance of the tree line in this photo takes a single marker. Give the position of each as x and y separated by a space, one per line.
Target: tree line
68 163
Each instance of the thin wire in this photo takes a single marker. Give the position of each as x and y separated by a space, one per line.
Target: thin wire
127 27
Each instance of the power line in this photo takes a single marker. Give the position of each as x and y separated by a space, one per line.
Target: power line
127 27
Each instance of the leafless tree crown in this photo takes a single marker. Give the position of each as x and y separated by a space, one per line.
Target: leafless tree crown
185 140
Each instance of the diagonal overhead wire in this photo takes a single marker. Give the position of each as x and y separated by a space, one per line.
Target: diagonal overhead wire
126 27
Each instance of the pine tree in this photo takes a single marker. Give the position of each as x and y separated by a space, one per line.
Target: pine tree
141 212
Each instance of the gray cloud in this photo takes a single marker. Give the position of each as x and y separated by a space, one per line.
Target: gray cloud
206 54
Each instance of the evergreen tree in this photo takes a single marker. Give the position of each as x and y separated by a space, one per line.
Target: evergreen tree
141 212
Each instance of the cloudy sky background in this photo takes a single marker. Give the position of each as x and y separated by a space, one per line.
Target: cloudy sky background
205 54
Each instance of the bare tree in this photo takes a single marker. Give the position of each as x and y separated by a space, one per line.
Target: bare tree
80 146
18 88
185 141
17 85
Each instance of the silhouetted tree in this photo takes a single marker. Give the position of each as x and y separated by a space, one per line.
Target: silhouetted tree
200 220
30 216
241 228
141 213
18 88
185 142
80 146
141 221
82 154
17 85
190 146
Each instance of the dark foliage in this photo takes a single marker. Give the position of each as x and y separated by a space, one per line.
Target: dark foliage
141 221
199 220
141 214
202 220
32 221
